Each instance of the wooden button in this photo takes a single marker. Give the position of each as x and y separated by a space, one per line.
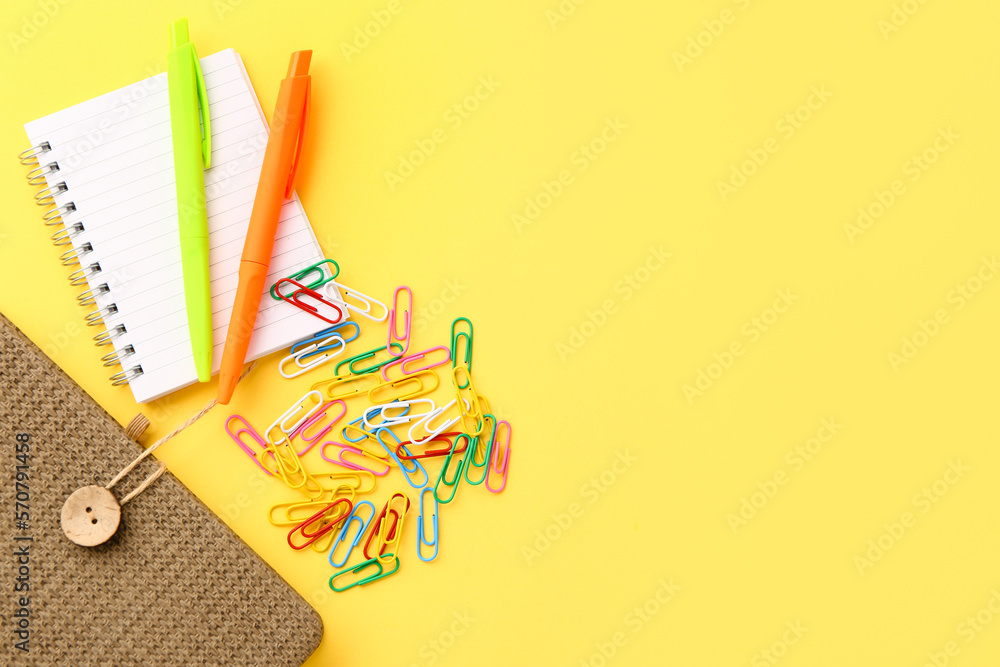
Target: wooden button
91 516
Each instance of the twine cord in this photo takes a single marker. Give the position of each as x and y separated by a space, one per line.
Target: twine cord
162 468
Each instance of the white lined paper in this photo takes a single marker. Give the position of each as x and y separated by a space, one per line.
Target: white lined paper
114 154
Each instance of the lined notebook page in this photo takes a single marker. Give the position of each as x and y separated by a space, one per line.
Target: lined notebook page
114 154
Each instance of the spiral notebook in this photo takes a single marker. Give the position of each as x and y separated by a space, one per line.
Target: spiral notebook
107 176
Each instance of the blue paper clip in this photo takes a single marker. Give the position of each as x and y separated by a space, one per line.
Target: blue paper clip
421 542
322 336
355 424
357 537
391 448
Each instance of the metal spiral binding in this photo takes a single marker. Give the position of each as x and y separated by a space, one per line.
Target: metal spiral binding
37 175
106 337
116 357
81 276
50 192
126 376
89 297
55 217
97 317
73 255
65 235
30 157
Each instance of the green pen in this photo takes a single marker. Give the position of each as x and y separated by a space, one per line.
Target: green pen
192 138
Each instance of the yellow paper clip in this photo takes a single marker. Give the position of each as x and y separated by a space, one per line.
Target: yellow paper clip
348 386
391 541
377 394
287 465
354 480
292 514
472 416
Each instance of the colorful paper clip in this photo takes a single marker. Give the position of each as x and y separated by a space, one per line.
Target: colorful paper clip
247 428
461 360
414 466
352 427
409 386
303 430
301 291
394 335
348 386
327 524
294 513
425 424
370 354
486 449
343 450
342 535
354 480
300 411
403 453
381 574
312 283
413 358
387 511
381 412
457 477
288 466
421 541
469 406
498 467
390 536
328 343
364 305
319 337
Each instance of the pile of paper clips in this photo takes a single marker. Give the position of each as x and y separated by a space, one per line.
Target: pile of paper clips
371 445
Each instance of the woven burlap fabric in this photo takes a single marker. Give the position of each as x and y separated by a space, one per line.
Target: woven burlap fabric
174 586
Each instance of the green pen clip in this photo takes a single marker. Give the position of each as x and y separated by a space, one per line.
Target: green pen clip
178 38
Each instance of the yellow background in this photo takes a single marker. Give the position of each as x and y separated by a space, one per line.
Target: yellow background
665 517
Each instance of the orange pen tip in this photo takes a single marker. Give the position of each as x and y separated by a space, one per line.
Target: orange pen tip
299 63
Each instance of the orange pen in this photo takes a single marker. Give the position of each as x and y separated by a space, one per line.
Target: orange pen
277 180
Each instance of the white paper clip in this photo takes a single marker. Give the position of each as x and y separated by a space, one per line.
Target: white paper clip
396 420
281 422
425 421
306 351
365 306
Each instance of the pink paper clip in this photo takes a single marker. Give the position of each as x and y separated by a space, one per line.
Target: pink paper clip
343 450
497 467
247 428
394 335
296 300
311 440
413 358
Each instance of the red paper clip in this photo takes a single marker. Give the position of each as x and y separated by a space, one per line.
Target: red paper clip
377 522
403 453
324 527
300 291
